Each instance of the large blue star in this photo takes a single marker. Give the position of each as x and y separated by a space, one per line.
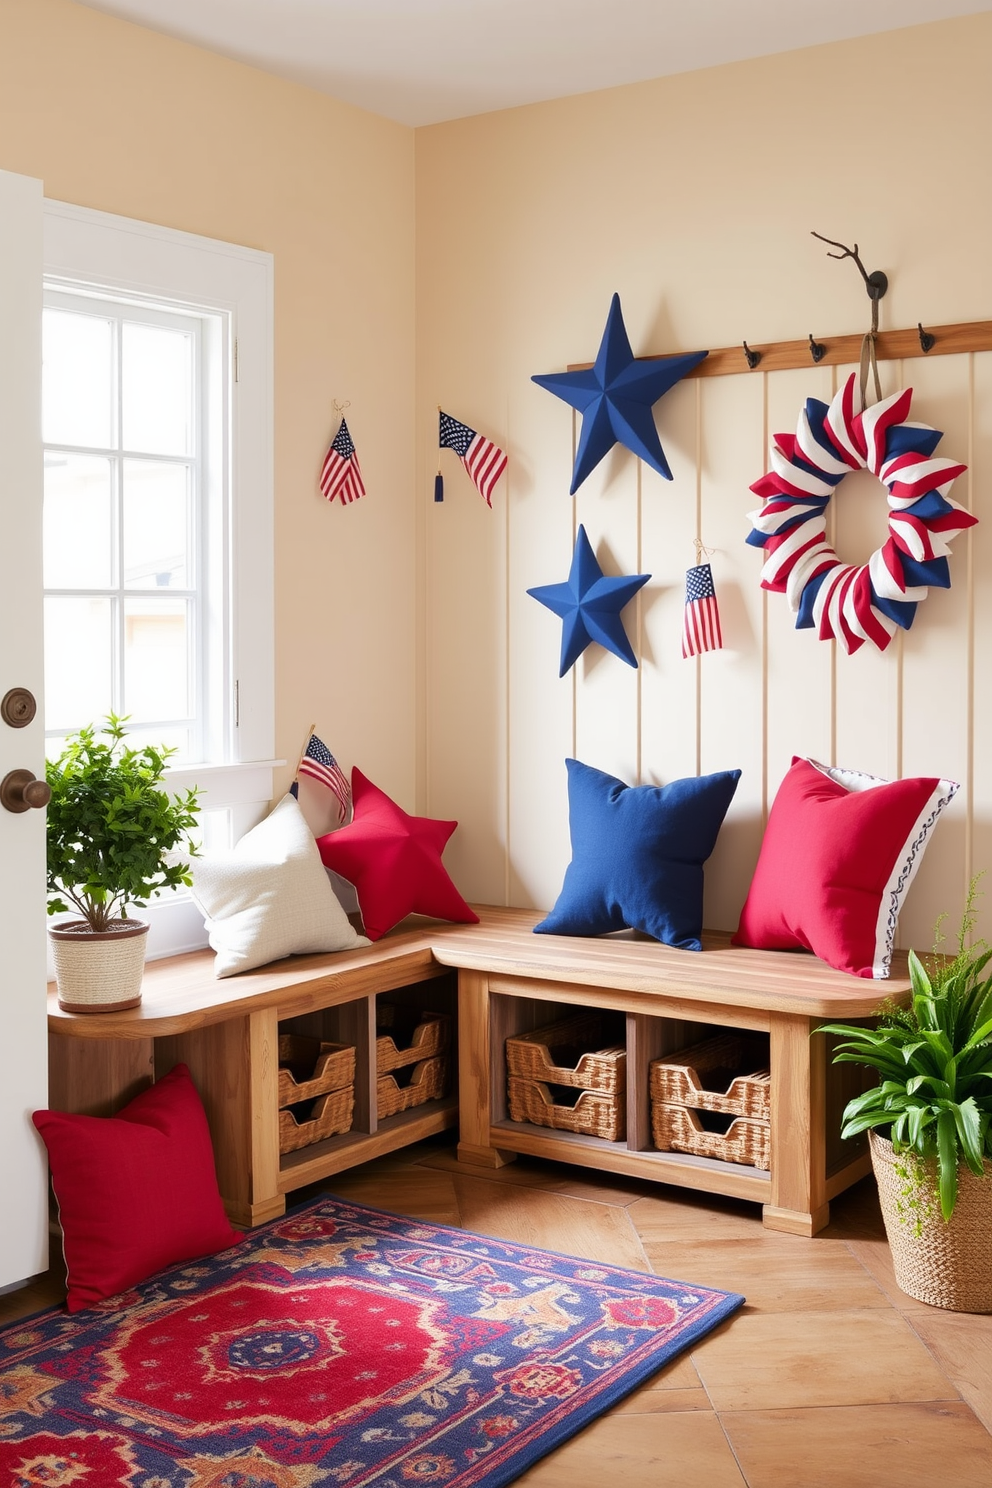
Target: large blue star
589 606
615 398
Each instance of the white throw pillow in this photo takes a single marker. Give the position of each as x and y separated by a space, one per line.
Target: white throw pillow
269 896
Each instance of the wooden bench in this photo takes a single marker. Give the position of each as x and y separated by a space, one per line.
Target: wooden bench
508 981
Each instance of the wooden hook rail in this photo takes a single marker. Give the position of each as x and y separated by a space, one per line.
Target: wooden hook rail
890 346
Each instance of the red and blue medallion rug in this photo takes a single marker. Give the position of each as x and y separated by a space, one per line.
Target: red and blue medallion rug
337 1345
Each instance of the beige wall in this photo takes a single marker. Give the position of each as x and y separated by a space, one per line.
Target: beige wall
115 117
694 197
403 627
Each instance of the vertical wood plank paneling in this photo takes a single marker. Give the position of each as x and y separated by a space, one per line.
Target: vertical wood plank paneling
980 543
668 529
540 727
606 687
936 672
731 689
799 679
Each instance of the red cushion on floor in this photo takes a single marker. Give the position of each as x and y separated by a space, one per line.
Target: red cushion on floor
839 852
137 1191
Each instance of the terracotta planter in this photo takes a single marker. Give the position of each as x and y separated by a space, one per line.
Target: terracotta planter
944 1263
99 971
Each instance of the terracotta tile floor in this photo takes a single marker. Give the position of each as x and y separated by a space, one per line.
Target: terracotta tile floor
828 1378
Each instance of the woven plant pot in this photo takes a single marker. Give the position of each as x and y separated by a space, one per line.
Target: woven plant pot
944 1263
99 971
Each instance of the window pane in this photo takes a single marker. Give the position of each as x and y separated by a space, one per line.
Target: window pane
161 736
79 547
156 665
157 516
158 390
77 397
79 653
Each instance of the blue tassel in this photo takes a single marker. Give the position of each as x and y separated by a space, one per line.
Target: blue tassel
439 487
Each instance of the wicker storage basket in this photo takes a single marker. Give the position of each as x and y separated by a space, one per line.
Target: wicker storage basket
308 1068
726 1073
329 1114
679 1129
573 1051
428 1082
944 1264
596 1113
410 1040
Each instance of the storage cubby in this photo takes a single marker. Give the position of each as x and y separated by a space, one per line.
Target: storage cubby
403 1084
670 1092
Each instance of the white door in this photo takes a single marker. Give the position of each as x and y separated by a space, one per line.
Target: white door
23 1039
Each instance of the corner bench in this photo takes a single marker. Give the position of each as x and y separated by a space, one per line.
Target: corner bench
505 980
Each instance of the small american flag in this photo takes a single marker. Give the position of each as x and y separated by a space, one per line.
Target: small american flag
484 461
701 617
319 762
341 475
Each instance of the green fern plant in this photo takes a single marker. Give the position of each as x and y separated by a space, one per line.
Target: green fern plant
934 1057
114 835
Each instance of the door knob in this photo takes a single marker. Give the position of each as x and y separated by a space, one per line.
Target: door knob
18 707
19 790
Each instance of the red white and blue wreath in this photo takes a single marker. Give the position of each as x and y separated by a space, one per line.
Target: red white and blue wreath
854 603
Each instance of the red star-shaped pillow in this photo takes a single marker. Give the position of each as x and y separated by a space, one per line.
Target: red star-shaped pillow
394 861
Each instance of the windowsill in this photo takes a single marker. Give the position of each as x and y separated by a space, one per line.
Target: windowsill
226 784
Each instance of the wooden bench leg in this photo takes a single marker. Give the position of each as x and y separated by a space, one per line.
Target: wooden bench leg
235 1067
798 1136
475 1074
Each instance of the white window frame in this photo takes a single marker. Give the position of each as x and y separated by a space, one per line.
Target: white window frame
120 256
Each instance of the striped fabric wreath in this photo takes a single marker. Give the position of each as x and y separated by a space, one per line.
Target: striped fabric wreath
846 602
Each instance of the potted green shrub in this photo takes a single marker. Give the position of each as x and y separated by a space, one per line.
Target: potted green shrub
929 1121
115 837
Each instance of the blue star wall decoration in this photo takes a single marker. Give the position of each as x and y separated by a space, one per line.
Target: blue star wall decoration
615 398
589 605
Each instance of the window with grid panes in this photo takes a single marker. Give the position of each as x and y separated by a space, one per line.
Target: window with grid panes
127 547
158 509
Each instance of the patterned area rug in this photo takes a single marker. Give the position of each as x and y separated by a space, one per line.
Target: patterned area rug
337 1345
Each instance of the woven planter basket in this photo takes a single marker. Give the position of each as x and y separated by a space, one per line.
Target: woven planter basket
946 1264
98 971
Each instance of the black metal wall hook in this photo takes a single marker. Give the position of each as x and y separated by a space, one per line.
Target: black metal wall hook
753 357
817 350
927 341
876 283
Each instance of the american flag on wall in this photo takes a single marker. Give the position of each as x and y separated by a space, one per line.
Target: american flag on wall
319 763
341 475
484 461
701 617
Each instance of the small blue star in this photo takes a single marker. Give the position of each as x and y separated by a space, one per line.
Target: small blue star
589 606
615 398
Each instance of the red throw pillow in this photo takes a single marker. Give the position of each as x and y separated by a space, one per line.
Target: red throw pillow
839 852
394 861
137 1191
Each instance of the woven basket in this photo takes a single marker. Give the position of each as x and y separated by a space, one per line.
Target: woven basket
428 1082
736 1059
330 1114
593 1063
323 1067
679 1129
98 971
595 1114
946 1264
431 1035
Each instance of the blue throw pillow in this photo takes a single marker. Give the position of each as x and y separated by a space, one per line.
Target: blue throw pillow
637 855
